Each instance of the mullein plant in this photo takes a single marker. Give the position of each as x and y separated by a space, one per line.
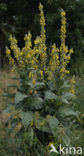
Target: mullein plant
43 108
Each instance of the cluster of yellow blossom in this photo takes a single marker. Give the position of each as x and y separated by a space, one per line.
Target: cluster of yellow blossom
54 62
65 54
36 56
14 47
8 53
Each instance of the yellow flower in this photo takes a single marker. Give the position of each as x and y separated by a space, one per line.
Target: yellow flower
41 72
62 70
8 51
37 40
33 81
68 57
63 13
57 57
63 30
30 75
72 81
71 51
67 71
32 61
72 91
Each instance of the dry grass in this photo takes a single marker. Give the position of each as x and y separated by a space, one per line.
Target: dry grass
5 80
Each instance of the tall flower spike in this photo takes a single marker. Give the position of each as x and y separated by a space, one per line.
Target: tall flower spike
42 46
14 47
64 58
11 60
26 51
63 27
54 62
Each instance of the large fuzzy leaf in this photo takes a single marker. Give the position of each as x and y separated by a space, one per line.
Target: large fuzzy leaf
53 123
29 84
68 95
20 97
48 125
65 112
64 100
50 95
65 85
26 118
35 102
42 125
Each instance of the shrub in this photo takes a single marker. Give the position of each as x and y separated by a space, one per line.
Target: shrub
43 110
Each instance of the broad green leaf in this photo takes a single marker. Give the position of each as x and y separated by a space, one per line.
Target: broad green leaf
20 97
26 117
48 125
42 125
53 123
64 100
65 85
29 83
65 112
35 102
68 95
50 95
